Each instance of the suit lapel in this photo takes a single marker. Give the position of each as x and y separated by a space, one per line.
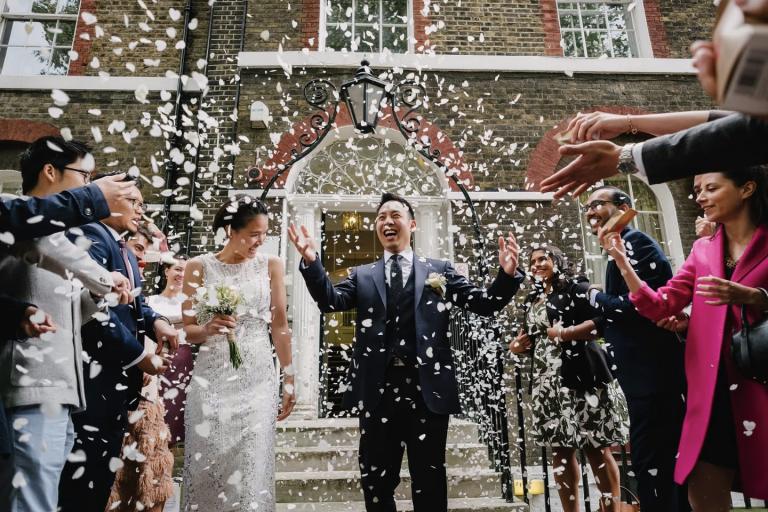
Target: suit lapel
420 278
378 280
752 255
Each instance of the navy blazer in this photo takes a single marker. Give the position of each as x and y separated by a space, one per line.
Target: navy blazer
366 290
730 142
118 341
648 359
59 211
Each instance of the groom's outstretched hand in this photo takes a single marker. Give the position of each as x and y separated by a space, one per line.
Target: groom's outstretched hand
304 243
508 254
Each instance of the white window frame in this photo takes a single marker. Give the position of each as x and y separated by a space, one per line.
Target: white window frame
323 28
37 17
639 23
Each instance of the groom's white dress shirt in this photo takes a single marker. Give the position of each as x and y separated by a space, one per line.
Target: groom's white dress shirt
406 264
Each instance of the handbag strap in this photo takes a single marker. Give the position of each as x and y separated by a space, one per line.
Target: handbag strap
745 333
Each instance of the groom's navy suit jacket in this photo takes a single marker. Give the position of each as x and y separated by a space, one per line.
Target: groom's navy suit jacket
366 290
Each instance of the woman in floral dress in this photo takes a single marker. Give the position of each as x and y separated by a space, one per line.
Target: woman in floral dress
575 402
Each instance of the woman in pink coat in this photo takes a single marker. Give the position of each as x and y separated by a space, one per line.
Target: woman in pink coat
725 432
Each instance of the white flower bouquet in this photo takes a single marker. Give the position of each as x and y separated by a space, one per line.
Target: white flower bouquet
223 300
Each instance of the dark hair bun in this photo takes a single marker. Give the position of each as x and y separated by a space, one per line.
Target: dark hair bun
238 211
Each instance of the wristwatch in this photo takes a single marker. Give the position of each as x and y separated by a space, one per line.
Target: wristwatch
626 162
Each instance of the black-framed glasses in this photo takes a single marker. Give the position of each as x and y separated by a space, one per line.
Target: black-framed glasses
86 174
597 203
137 204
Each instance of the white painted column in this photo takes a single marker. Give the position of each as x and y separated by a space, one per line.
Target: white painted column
429 231
306 326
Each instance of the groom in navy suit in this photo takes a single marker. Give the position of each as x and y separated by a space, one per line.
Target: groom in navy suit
402 379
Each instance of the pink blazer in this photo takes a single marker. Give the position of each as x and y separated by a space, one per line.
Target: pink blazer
709 335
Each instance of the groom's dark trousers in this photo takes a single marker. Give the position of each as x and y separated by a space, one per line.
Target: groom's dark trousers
401 379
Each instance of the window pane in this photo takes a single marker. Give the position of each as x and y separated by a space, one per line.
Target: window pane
395 11
568 21
650 224
616 17
570 49
18 6
644 198
578 41
26 61
65 33
69 6
338 38
396 39
621 47
367 11
595 46
594 21
59 62
27 33
339 10
367 38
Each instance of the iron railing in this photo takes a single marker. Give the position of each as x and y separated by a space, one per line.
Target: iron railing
478 354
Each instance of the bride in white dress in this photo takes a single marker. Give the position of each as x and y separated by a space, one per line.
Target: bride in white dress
231 414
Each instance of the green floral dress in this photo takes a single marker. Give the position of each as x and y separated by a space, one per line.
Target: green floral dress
562 417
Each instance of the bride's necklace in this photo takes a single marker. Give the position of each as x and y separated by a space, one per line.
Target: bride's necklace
730 262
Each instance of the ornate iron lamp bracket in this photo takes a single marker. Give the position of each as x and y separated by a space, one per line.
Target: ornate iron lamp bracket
322 95
406 99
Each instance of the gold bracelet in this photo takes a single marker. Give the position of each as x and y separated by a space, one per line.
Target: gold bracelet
632 129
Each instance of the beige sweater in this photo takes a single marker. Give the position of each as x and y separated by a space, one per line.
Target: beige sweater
59 278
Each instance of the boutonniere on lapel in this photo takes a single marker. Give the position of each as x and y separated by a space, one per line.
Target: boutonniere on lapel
437 282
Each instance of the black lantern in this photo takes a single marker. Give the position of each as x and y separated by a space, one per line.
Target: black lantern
363 95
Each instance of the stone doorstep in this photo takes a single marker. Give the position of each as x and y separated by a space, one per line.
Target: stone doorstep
344 458
454 505
333 486
344 431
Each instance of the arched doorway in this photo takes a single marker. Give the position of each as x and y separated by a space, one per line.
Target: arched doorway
334 192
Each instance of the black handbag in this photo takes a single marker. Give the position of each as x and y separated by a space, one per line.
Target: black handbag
585 366
749 348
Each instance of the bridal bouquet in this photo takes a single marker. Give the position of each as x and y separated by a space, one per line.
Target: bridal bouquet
224 299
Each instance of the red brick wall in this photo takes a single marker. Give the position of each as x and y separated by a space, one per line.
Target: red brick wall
551 28
656 30
310 23
420 23
24 130
80 45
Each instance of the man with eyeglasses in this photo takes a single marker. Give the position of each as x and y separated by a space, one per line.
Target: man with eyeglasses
113 380
648 360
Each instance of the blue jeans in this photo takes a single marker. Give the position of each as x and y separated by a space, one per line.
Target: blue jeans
41 444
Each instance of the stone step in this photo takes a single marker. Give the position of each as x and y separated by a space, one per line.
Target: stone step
344 458
344 432
454 505
341 486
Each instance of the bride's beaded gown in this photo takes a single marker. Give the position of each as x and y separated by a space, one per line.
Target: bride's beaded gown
229 454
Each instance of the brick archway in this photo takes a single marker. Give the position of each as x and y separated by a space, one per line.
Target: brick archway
545 156
25 130
452 156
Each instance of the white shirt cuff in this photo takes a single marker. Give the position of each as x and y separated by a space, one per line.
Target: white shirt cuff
637 156
593 297
136 361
